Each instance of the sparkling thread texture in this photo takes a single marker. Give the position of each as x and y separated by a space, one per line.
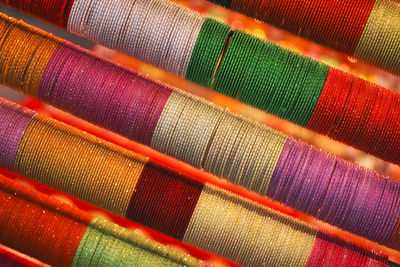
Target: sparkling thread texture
257 72
216 140
164 200
60 234
368 30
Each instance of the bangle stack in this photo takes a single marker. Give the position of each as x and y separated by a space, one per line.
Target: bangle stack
208 137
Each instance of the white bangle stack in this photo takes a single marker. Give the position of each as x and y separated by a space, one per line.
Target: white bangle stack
159 32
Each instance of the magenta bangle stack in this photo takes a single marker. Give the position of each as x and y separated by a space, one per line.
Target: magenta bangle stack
118 98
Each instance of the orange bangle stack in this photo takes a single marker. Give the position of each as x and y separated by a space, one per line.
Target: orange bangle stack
61 235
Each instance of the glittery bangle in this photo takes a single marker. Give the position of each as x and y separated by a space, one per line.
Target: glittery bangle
359 28
380 38
94 89
207 52
58 233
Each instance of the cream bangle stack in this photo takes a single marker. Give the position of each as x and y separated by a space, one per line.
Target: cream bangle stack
164 41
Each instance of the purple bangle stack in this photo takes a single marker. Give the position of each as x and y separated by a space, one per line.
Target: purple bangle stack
336 191
134 103
13 123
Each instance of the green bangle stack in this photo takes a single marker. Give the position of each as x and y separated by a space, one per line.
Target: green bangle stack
207 52
107 244
238 60
288 85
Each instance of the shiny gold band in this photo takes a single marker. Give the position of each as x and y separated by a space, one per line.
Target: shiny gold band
243 232
79 164
380 41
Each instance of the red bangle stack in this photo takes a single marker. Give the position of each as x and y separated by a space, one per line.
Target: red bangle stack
354 104
336 24
172 198
48 229
55 12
